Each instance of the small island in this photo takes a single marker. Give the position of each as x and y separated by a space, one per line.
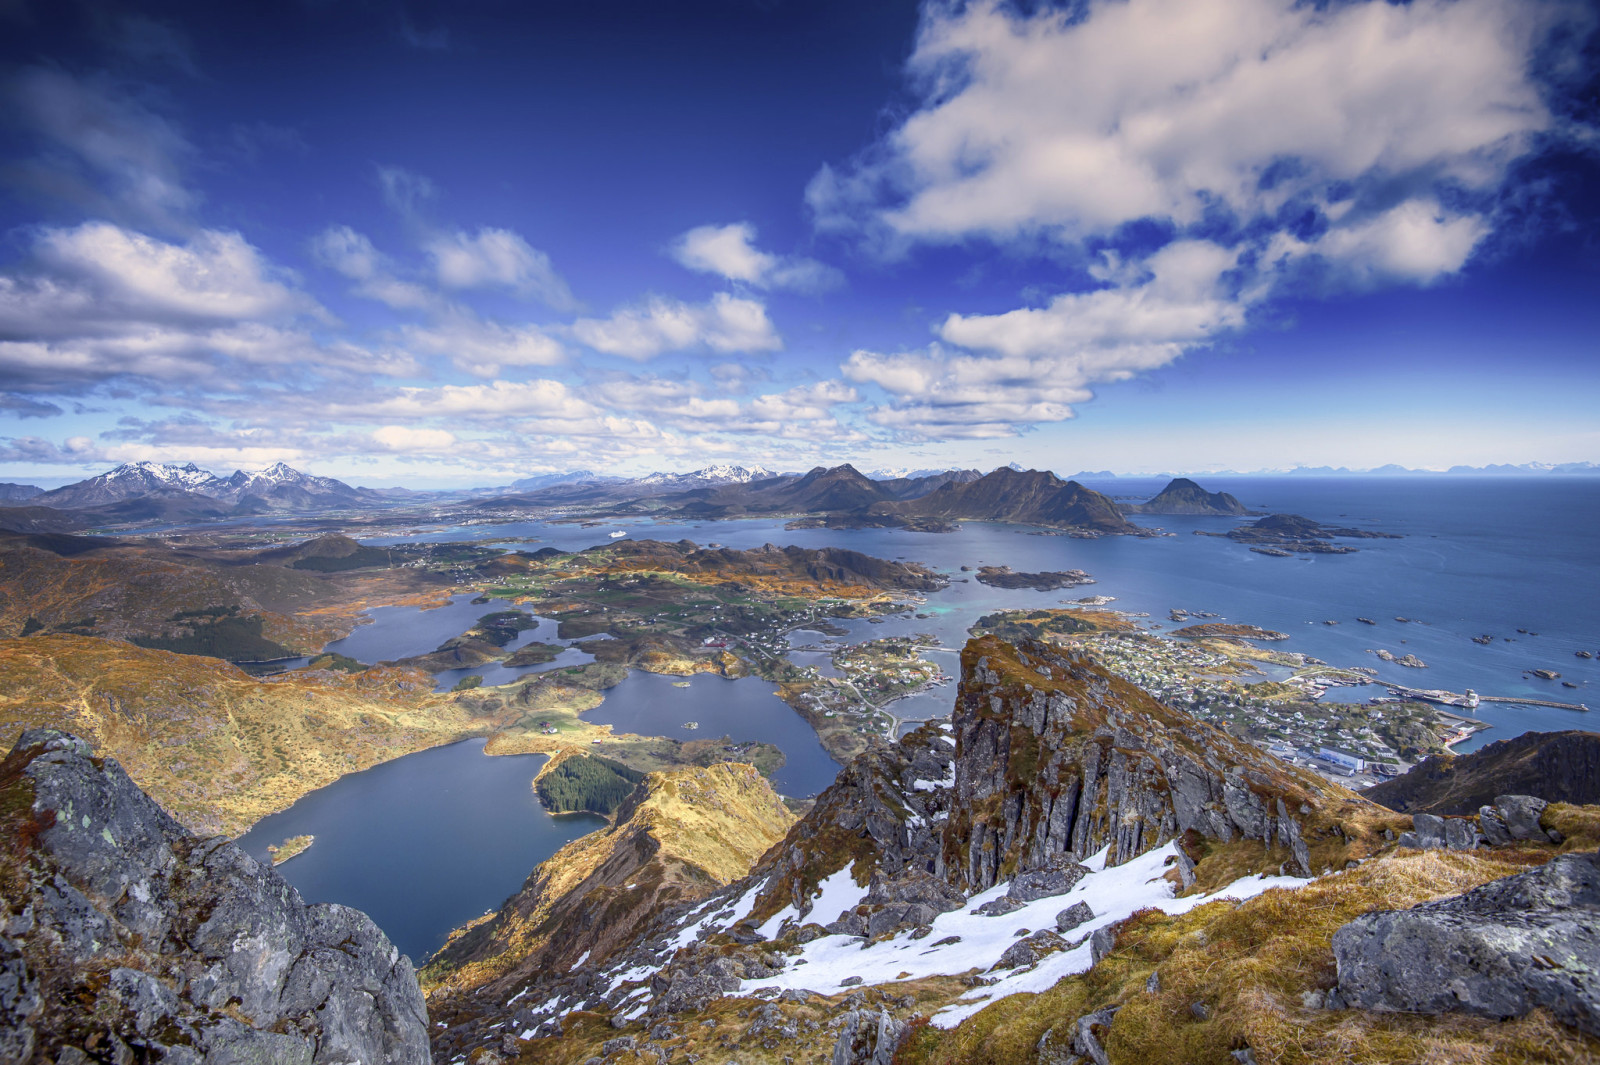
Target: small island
292 847
1006 577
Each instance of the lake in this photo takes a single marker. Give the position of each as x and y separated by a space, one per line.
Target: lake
424 843
651 704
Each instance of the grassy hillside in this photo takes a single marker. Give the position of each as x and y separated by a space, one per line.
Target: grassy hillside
216 747
682 834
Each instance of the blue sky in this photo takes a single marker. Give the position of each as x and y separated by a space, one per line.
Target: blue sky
453 244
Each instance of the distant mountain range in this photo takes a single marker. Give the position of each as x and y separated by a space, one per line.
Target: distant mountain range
146 491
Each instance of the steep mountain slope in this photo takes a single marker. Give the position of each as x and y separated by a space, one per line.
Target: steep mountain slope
1183 496
216 747
1026 496
682 834
1554 766
128 937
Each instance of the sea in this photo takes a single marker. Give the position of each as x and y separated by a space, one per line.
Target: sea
1514 559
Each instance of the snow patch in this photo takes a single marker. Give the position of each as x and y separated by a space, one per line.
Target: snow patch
1113 894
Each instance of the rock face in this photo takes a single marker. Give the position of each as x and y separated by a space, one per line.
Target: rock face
1555 766
1056 757
1498 951
129 936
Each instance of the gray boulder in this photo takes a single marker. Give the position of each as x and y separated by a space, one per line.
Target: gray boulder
1521 816
1045 883
1493 826
1431 832
1073 916
221 960
1498 951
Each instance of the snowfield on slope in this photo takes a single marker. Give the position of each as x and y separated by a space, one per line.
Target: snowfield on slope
1113 894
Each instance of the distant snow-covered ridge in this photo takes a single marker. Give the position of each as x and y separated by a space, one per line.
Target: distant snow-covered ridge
133 480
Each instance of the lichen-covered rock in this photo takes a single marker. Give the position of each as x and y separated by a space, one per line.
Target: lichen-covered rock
1521 815
124 925
1498 951
1056 879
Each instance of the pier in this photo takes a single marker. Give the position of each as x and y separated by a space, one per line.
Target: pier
1452 699
1531 702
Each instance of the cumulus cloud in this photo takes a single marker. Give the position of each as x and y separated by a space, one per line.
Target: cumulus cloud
1073 126
410 438
730 252
485 348
499 258
216 274
724 324
1416 241
350 253
1217 120
1034 364
101 148
105 303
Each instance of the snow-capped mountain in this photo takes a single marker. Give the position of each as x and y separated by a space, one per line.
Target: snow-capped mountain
277 484
132 480
722 473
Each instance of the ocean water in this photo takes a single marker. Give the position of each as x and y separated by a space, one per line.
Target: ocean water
433 839
1477 556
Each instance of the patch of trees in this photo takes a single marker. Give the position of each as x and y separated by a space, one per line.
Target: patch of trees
590 783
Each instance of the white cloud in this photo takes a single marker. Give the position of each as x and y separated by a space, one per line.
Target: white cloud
1034 364
411 438
214 275
540 398
730 252
484 348
497 257
1073 126
724 324
111 303
1416 241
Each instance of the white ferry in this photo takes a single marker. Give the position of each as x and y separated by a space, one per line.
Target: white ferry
618 534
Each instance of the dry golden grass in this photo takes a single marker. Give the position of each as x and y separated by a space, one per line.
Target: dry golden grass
693 830
216 747
1249 965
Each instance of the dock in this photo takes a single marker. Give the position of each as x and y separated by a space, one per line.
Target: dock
1531 702
1452 699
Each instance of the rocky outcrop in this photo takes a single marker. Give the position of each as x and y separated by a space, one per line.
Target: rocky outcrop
1528 941
868 1038
883 815
1055 757
1555 766
127 936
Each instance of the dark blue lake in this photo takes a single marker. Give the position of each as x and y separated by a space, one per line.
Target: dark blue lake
424 843
650 704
